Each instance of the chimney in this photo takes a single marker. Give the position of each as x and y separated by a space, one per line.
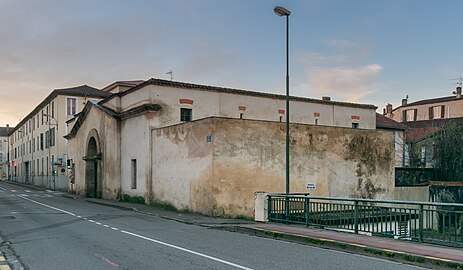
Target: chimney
389 108
384 111
326 98
458 92
404 101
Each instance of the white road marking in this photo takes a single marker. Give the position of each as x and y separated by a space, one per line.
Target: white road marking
97 223
147 238
4 189
46 205
187 250
106 226
13 190
27 190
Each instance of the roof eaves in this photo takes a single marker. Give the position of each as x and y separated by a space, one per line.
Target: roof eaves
160 82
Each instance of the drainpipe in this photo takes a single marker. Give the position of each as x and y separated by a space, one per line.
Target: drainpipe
150 165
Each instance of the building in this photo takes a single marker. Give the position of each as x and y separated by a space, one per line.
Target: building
4 152
208 149
428 109
423 118
385 123
38 149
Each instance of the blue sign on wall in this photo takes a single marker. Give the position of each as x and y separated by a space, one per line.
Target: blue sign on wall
208 138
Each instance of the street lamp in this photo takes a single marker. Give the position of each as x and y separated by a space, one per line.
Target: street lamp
281 11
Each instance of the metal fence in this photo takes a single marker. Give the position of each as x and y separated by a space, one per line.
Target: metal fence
440 223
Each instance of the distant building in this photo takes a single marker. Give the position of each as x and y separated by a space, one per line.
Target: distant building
37 148
428 109
4 152
423 118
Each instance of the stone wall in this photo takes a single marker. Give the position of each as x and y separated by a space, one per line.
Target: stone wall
215 165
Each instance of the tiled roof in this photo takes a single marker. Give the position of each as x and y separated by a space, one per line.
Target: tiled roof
383 122
160 82
419 130
418 134
83 90
122 83
80 91
428 101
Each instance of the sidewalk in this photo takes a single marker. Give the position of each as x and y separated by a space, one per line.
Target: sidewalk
427 255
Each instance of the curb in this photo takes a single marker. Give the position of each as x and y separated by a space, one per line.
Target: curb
8 259
26 186
398 256
3 263
126 208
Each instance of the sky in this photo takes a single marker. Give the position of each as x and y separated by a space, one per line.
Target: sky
364 51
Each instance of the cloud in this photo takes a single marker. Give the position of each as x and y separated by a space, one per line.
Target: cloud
341 71
347 83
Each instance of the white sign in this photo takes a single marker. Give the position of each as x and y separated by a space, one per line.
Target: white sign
311 186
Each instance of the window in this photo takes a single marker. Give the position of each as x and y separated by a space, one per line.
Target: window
241 115
41 141
185 114
316 121
409 115
42 166
281 118
53 109
134 173
71 106
423 155
355 125
47 138
436 112
51 137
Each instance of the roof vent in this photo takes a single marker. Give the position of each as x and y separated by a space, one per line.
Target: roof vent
326 98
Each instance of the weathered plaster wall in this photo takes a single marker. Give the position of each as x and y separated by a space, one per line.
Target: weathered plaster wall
343 162
182 166
209 103
109 135
135 144
249 156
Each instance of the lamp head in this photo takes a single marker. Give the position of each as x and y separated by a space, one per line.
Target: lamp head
281 11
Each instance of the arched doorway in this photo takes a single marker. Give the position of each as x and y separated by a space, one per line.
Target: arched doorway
92 167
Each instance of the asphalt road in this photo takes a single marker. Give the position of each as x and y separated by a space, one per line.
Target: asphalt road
48 231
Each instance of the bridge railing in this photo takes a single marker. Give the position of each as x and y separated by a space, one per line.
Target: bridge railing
440 223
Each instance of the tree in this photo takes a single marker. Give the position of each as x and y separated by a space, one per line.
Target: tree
448 143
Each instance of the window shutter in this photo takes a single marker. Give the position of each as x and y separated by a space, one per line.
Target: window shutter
442 111
431 113
415 114
404 116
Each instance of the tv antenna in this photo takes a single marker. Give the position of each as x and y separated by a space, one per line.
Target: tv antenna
171 73
459 81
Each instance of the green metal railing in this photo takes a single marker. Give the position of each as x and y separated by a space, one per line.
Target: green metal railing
439 223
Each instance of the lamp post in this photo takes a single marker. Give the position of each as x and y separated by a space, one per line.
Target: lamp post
281 11
52 166
8 155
